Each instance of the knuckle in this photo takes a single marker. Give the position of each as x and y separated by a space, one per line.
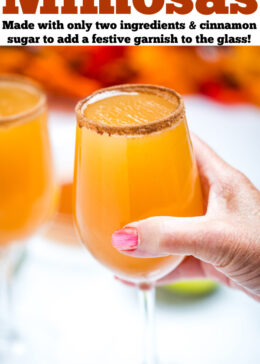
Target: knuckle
229 185
224 188
222 232
166 242
235 249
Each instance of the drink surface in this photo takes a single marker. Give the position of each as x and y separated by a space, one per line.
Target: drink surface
130 109
26 175
120 179
15 99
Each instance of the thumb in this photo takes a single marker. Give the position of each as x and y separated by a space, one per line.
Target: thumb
202 237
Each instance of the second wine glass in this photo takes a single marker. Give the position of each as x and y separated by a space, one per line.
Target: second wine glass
27 187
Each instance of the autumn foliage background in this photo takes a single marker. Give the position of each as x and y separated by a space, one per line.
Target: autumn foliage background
225 74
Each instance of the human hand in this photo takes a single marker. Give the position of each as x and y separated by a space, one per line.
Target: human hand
224 244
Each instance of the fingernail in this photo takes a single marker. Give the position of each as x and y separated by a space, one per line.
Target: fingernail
125 239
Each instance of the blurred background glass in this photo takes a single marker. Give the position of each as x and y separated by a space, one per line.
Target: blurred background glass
27 188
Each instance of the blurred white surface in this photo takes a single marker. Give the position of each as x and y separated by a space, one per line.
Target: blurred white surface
233 132
72 311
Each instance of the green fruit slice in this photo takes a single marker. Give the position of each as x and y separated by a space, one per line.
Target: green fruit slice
194 287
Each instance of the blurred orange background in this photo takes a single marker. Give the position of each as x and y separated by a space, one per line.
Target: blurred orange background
226 74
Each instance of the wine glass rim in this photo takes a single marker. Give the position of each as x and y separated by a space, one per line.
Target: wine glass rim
27 84
123 130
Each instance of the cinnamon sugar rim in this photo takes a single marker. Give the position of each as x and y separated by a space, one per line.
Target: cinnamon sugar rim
29 85
157 125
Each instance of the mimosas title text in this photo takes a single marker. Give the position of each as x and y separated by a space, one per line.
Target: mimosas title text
182 7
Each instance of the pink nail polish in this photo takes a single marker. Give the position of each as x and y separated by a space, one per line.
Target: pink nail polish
125 239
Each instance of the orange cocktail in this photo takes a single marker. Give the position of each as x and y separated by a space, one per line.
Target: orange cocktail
26 172
133 160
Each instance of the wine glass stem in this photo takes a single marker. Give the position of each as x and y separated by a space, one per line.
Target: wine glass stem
5 305
147 304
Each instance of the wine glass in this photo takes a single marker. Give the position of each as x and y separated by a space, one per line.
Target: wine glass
27 192
133 160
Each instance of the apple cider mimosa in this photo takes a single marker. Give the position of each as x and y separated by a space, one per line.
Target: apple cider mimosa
27 192
133 160
26 173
